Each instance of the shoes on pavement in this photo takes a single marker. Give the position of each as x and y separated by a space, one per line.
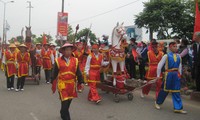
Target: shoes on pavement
12 88
80 91
157 106
17 90
48 82
132 78
141 95
98 101
144 82
22 89
180 111
9 89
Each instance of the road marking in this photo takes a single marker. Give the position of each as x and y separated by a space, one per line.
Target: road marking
33 115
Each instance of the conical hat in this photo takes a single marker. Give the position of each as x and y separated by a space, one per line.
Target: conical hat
67 45
17 43
23 45
12 46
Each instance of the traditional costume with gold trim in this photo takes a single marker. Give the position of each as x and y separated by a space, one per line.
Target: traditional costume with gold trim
106 57
38 57
23 61
46 58
171 81
67 78
94 63
66 72
10 62
151 72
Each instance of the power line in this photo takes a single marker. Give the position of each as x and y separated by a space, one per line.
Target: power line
103 13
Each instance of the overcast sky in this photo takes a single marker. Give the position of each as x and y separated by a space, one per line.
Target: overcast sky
44 15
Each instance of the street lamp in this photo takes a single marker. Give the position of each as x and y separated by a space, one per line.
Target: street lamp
29 2
4 19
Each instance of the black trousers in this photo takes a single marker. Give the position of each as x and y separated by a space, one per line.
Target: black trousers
10 81
130 65
64 112
20 82
197 77
37 70
47 75
142 70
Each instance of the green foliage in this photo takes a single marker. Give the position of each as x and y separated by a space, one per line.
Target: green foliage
39 39
18 38
87 33
168 18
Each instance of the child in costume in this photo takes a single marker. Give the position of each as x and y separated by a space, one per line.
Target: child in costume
93 66
171 83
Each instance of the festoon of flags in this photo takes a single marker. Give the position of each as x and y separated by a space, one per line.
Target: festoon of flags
197 19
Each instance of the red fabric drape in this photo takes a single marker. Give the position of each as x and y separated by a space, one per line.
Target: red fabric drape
197 19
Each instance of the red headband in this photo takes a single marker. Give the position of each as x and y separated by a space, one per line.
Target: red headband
95 46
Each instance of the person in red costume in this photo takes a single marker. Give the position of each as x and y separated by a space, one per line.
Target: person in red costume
79 54
154 57
23 59
48 61
66 71
9 60
92 68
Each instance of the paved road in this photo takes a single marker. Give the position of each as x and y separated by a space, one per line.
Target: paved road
38 103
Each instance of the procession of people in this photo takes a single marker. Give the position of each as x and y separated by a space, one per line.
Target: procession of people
81 65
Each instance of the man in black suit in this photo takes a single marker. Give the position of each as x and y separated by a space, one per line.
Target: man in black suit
130 62
196 59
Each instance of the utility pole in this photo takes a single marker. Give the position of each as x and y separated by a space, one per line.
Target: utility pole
4 21
30 7
63 2
62 10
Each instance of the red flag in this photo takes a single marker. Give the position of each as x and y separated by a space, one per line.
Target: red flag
197 19
44 39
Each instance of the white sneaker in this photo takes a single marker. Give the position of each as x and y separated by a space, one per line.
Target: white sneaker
98 101
22 89
9 89
157 106
132 78
48 82
12 88
17 90
141 95
144 82
80 91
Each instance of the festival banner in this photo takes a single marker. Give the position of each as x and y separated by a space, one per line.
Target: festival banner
197 19
62 26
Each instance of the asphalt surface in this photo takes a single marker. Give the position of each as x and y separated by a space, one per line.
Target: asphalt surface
37 102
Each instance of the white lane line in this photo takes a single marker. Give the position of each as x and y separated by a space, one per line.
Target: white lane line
33 115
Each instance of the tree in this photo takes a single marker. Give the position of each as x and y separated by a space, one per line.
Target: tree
39 39
167 17
86 34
